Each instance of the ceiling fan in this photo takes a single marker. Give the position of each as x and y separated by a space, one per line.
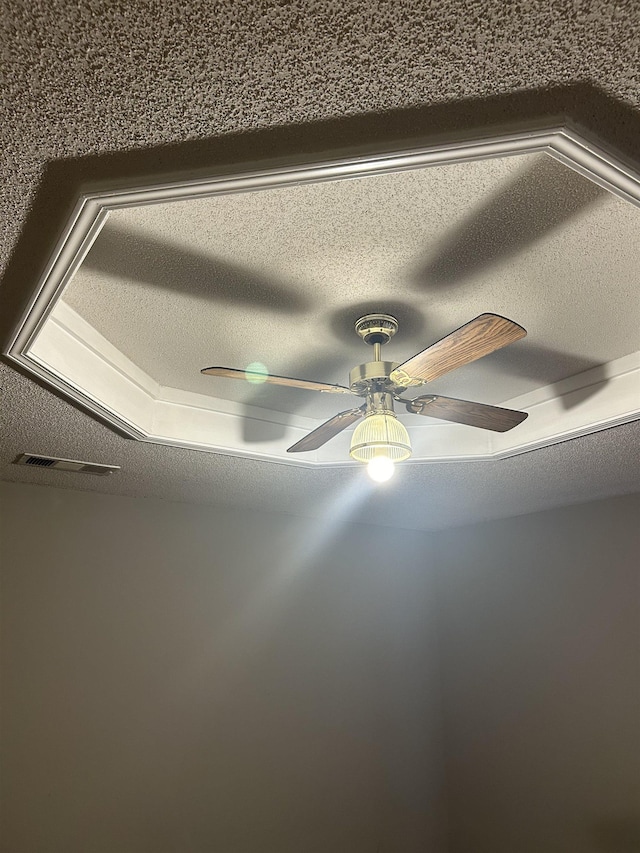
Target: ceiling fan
381 439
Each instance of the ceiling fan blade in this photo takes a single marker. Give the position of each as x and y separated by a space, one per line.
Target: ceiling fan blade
464 412
479 337
327 430
273 379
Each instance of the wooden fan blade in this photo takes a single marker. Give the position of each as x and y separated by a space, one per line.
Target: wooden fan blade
479 337
273 379
463 412
327 430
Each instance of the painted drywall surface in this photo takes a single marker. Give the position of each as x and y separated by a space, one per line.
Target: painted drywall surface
170 682
177 678
539 637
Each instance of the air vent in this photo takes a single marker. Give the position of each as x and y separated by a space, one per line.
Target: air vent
36 460
74 465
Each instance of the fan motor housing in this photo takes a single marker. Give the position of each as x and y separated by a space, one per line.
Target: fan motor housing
372 376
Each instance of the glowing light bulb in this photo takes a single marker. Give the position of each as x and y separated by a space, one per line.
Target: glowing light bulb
380 468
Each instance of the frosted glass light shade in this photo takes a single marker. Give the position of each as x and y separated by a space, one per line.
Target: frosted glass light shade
380 434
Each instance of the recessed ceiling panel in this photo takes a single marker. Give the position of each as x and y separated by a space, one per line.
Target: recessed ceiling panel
276 272
278 276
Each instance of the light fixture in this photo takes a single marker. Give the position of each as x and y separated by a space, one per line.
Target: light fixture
380 440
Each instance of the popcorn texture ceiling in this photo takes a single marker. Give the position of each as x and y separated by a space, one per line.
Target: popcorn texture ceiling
110 91
269 276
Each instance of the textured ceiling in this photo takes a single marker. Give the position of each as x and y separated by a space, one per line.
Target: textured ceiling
95 92
270 276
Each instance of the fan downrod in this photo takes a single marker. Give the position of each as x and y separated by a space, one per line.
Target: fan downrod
373 377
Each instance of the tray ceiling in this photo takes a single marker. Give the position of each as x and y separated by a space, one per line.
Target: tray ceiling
280 275
274 268
151 285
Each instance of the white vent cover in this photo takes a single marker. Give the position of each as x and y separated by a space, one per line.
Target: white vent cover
36 461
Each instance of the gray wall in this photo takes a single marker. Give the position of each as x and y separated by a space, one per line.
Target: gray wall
182 679
539 631
179 678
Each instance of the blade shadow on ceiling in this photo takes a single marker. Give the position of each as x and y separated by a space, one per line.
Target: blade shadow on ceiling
148 260
539 200
273 397
588 106
546 366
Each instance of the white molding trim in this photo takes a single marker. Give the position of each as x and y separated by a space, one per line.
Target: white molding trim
74 352
54 343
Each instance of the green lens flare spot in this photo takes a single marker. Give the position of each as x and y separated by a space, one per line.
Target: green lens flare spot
256 373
